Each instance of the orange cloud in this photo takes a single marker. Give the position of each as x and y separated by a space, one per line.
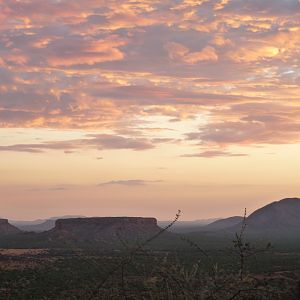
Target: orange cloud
253 53
252 124
77 52
107 66
178 51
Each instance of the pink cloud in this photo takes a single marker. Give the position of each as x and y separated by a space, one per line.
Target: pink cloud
213 154
177 51
108 64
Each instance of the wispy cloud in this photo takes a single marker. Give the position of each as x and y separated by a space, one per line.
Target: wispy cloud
100 142
56 188
214 153
129 182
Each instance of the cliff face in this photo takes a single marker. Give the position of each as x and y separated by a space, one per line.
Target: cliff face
105 229
6 228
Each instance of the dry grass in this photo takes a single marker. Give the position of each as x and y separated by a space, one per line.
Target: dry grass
21 252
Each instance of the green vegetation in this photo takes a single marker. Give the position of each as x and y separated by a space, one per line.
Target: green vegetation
195 266
150 275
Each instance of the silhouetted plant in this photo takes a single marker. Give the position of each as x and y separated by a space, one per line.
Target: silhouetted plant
129 257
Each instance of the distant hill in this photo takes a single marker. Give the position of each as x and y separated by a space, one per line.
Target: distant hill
223 224
40 225
275 221
6 228
280 216
44 226
187 226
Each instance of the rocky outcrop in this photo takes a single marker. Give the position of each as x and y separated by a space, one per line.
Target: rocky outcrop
6 228
104 229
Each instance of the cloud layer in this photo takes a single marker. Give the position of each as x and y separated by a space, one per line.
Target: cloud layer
109 65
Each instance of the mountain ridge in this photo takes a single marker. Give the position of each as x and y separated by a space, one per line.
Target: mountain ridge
281 215
223 224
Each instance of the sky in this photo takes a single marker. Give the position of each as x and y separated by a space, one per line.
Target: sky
144 107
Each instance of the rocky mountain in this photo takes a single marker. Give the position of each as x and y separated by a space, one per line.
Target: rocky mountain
279 216
6 228
104 229
223 224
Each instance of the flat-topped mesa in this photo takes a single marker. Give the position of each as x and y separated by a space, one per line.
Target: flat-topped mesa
6 228
103 228
3 221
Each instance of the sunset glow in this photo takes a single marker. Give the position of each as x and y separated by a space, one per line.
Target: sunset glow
141 108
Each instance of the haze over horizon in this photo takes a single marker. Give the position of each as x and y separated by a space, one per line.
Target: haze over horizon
140 108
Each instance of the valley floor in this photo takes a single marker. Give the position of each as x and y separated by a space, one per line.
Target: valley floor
149 274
